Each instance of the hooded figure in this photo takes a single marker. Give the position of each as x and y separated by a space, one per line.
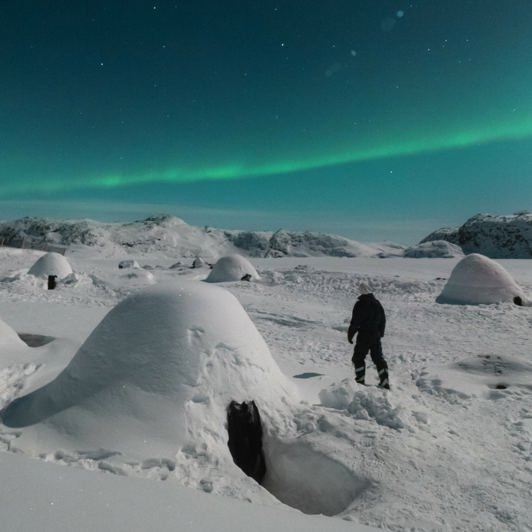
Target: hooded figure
369 321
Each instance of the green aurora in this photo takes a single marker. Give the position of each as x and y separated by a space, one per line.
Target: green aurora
452 140
304 113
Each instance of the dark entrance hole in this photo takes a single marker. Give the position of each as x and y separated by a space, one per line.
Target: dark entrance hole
293 472
245 438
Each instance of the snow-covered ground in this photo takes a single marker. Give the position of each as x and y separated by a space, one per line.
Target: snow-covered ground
124 426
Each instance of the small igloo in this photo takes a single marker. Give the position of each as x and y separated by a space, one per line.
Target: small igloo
232 268
478 280
51 264
154 377
128 263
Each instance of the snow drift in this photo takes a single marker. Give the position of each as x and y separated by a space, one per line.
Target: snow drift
51 264
155 376
477 280
232 268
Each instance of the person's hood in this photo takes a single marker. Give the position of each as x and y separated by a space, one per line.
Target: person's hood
364 288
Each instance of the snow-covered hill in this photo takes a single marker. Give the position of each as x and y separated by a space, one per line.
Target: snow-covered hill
433 249
173 236
496 236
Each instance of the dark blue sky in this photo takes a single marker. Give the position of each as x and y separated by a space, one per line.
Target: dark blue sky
372 119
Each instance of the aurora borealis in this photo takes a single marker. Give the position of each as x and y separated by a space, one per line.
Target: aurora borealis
350 116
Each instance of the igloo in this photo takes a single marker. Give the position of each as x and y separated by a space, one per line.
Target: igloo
232 268
128 263
51 264
477 280
154 377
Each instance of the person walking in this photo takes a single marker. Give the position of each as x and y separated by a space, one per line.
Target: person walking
368 323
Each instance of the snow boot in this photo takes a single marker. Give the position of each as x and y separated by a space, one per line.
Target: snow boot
360 375
383 378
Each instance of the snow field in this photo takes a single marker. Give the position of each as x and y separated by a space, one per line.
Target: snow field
447 449
430 431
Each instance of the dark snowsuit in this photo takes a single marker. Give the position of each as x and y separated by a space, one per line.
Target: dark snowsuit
369 321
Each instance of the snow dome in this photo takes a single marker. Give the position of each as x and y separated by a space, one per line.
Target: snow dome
8 337
128 263
51 264
232 268
477 280
155 376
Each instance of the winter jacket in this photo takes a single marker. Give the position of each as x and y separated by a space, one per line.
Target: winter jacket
368 318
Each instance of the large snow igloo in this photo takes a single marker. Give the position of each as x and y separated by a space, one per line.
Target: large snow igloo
232 268
478 280
51 264
154 377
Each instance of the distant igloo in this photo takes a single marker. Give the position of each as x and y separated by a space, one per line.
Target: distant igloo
232 268
128 263
434 249
478 280
51 264
155 376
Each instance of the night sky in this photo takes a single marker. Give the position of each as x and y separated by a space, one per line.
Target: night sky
374 119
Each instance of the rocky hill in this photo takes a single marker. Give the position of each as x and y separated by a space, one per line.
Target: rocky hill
171 235
496 236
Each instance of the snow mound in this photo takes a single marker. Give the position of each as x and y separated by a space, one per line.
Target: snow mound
8 337
367 404
128 263
477 280
434 249
198 262
154 377
51 264
231 268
